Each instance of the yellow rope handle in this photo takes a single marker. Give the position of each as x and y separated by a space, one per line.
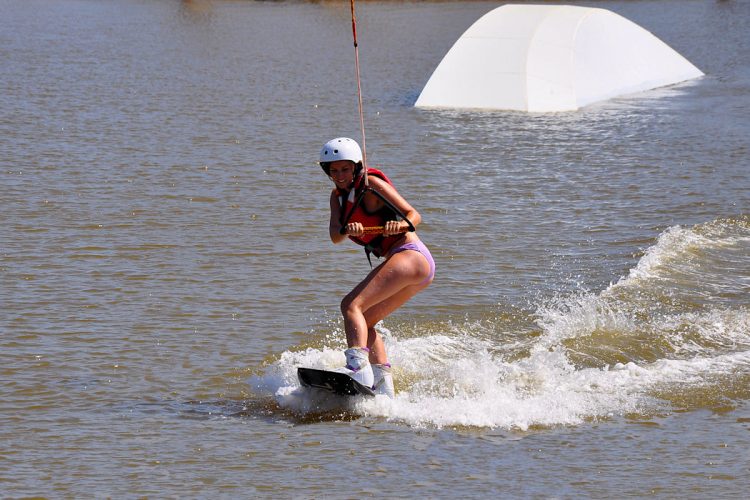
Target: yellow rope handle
378 230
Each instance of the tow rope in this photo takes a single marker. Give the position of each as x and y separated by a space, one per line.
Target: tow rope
359 93
376 229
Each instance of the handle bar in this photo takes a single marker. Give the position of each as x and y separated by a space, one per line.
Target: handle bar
374 230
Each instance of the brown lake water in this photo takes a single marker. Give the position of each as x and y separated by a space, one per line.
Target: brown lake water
165 264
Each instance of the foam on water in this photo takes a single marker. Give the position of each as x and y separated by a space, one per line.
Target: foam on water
709 261
674 246
569 373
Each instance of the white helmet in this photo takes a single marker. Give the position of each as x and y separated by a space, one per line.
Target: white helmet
341 148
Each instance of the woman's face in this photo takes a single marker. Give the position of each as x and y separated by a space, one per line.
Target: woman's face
342 173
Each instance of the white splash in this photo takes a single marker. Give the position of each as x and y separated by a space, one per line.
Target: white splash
460 377
676 245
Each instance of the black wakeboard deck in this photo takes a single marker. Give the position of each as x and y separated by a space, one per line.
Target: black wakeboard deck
335 382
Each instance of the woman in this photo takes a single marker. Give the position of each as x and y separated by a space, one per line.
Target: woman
408 267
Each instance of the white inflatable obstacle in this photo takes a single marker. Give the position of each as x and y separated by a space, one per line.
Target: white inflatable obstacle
545 58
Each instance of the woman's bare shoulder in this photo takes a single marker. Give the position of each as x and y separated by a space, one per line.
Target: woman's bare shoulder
378 183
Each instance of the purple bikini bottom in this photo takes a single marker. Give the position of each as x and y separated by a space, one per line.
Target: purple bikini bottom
420 247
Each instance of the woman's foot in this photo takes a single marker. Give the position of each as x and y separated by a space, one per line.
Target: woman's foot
383 380
358 366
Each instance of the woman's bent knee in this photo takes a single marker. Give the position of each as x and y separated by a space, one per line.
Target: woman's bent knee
348 306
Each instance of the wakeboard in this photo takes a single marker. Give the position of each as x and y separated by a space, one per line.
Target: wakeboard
334 382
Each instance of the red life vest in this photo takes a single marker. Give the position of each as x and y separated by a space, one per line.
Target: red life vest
352 210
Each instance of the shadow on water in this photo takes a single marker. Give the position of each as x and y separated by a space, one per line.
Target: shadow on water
266 409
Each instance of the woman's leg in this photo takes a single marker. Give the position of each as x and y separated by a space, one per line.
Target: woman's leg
385 289
377 347
380 311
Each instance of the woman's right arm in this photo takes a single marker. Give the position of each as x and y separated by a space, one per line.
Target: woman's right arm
334 226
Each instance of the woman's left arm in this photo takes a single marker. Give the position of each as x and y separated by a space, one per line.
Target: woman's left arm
392 195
